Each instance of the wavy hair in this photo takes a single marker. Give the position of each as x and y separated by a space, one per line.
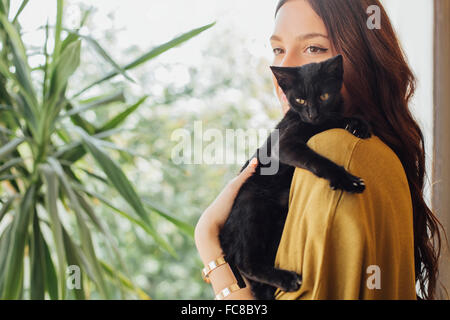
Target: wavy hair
380 84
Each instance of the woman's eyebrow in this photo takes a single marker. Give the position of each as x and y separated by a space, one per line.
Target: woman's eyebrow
301 37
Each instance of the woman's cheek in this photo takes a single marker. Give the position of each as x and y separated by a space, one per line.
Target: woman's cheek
285 108
281 96
283 100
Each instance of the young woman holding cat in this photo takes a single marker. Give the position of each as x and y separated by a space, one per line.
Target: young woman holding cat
372 245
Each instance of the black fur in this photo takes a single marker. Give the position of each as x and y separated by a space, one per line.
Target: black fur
252 232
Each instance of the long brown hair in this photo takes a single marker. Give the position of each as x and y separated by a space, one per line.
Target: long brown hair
380 84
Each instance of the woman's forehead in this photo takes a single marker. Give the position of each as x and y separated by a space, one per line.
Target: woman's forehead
297 18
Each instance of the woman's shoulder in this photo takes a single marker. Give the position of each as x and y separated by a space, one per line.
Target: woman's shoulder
343 148
387 188
336 234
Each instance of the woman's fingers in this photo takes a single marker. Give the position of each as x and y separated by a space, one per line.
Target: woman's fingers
254 162
248 171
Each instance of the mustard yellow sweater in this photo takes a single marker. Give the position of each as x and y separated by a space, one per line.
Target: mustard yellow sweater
350 246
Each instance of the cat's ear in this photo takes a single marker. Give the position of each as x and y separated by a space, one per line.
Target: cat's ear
285 76
334 66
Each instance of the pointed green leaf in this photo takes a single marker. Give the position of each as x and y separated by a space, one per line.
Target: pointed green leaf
68 40
66 65
9 164
51 279
10 147
75 151
101 226
14 262
183 226
37 262
19 11
22 76
120 95
121 183
79 121
74 258
116 176
116 97
3 8
7 205
121 117
151 54
19 56
58 28
63 135
111 272
135 221
85 234
102 52
51 196
5 240
47 62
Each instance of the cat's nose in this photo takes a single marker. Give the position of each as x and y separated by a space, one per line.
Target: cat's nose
312 114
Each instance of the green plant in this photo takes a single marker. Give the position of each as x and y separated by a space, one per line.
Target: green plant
43 135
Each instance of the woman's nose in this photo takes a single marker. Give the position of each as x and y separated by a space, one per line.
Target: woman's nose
291 59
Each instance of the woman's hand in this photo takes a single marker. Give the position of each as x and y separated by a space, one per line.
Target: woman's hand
208 228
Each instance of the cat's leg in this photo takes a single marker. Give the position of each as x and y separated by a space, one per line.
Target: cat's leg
261 225
358 127
296 153
284 279
262 291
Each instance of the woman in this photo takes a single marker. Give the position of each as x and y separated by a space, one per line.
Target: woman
372 245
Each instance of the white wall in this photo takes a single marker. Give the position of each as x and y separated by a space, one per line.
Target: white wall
413 21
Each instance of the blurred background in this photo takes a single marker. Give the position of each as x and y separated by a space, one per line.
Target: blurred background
219 75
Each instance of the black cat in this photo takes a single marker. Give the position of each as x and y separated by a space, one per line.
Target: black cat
252 232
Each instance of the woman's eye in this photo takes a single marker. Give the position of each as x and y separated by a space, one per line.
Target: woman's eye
315 50
275 50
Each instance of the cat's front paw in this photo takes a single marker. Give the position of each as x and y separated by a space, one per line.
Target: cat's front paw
290 281
343 180
358 127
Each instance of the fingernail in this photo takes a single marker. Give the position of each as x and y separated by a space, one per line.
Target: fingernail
254 162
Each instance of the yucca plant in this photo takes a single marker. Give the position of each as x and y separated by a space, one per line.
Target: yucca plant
47 216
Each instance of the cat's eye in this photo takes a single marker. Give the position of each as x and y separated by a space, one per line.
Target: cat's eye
324 97
301 101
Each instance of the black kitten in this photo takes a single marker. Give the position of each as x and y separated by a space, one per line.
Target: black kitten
252 232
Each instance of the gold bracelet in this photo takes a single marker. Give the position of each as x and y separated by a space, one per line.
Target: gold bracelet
227 291
211 266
